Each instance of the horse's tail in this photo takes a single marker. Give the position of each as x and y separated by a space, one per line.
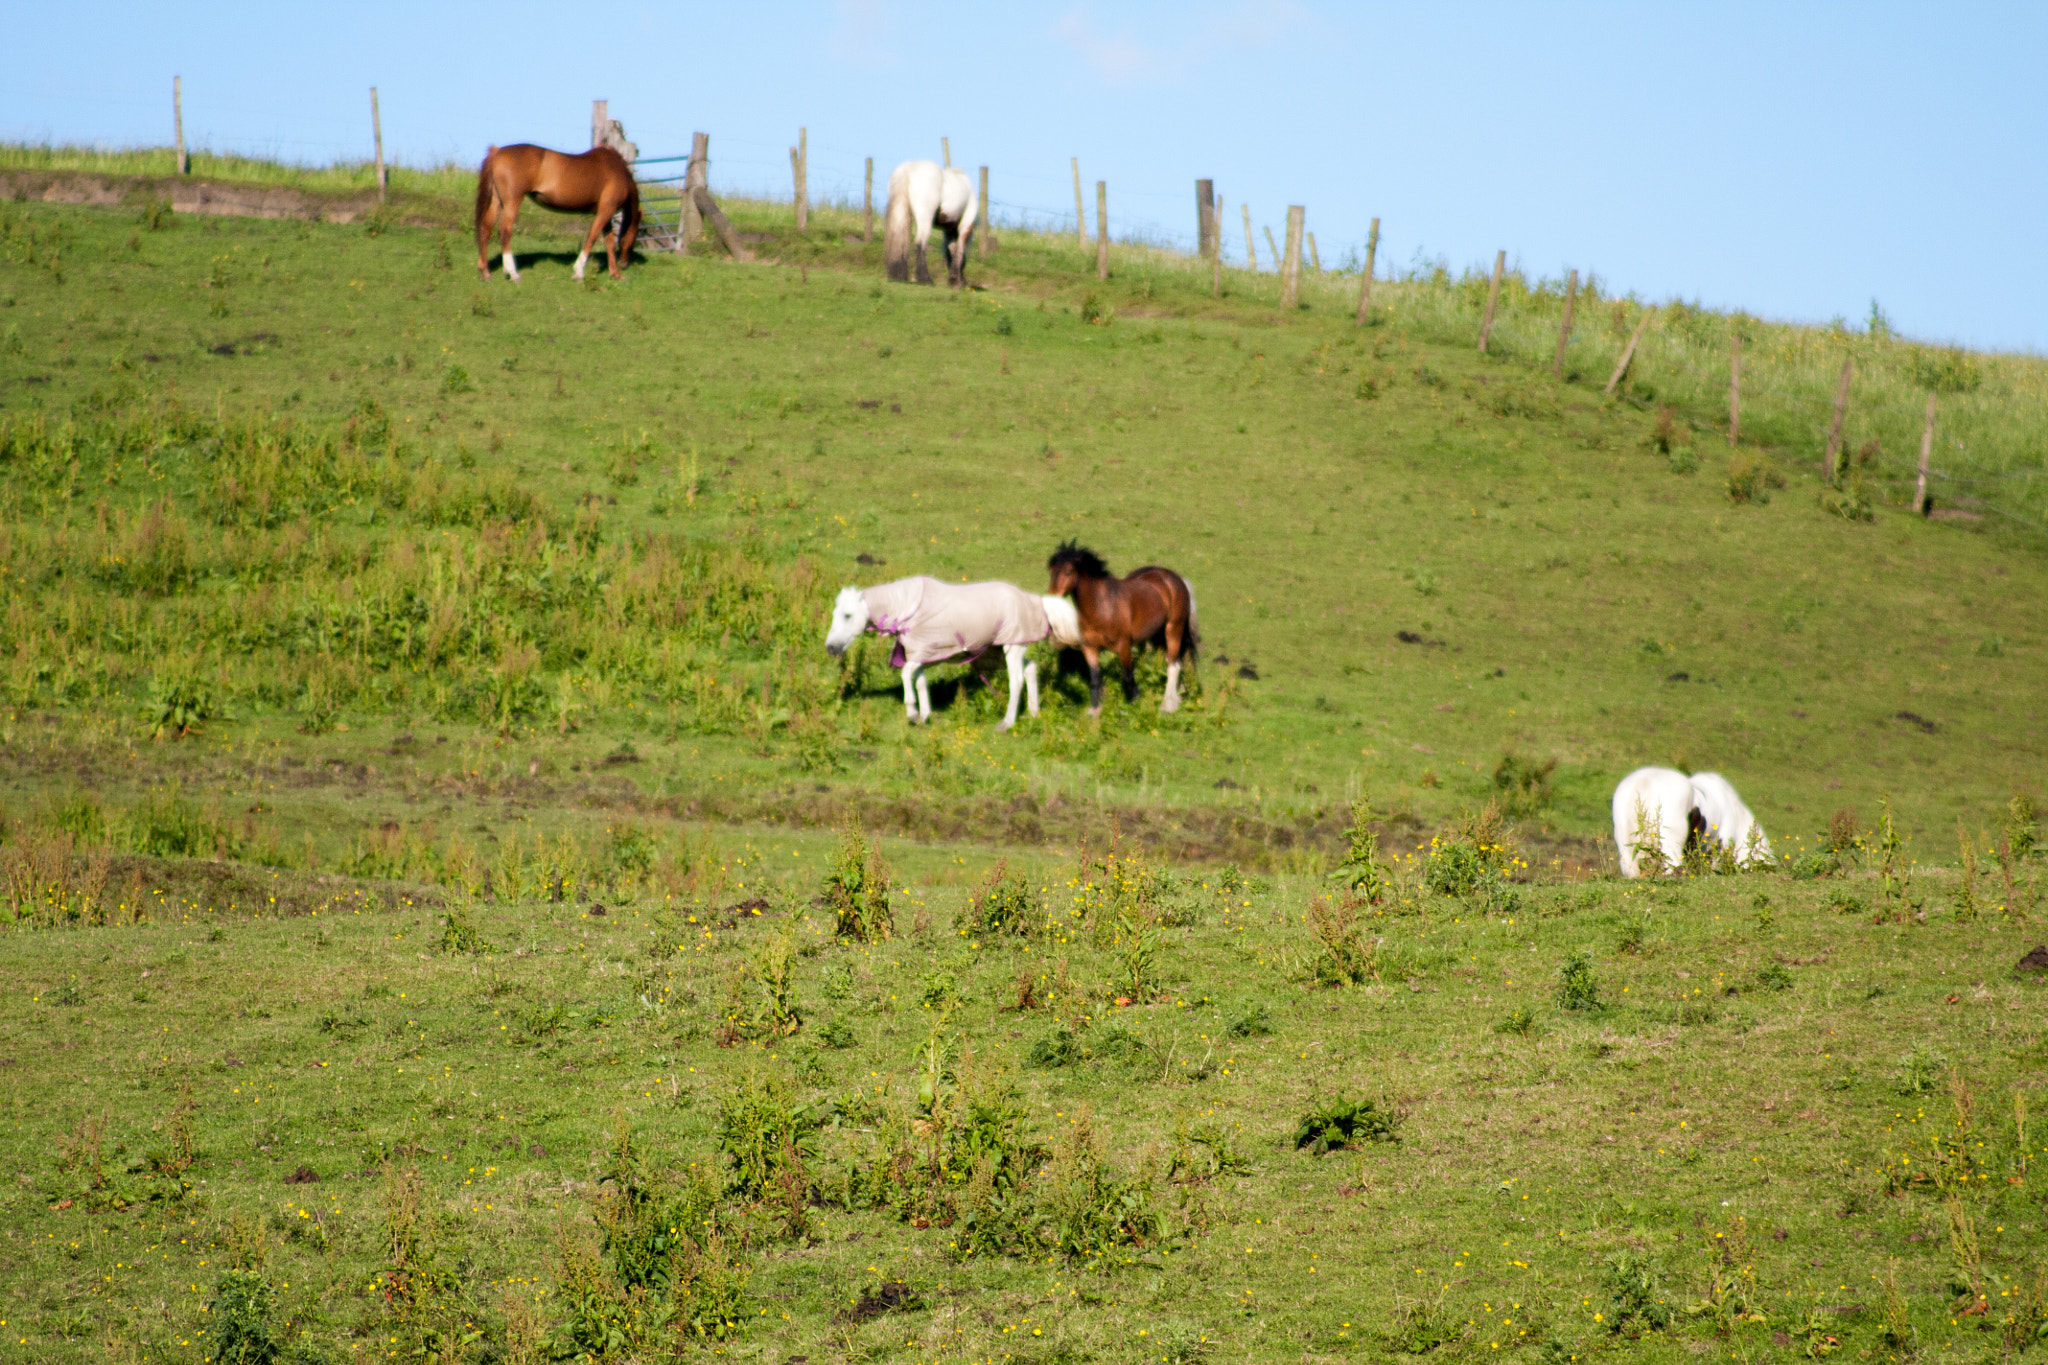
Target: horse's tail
484 189
1191 641
897 223
631 209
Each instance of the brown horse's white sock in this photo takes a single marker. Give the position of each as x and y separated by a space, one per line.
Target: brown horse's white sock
511 268
581 261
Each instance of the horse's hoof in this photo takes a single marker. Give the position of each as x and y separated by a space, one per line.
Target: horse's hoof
1095 713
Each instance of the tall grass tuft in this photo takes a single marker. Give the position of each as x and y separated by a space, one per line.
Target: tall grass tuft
857 889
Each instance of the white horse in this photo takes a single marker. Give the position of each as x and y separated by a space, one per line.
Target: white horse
935 621
920 194
1728 821
1658 803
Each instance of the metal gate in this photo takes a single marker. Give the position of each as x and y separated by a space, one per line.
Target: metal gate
661 204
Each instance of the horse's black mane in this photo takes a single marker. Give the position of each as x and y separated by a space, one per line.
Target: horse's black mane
1081 559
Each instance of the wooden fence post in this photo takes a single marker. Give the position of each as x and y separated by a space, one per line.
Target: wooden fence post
802 153
1628 352
377 132
694 175
1564 328
600 114
1216 256
1080 219
1372 249
1290 264
1734 387
1251 253
178 121
1500 262
720 224
1271 245
867 200
946 152
1834 450
1205 218
987 234
1102 229
1926 449
1315 258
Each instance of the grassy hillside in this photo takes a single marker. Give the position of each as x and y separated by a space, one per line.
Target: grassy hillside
419 682
343 418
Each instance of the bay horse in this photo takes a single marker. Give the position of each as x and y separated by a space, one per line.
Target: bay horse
920 194
567 182
1152 604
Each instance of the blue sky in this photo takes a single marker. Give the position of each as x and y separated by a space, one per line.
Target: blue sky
1797 160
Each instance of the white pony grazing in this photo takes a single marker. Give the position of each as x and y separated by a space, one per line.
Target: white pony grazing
920 194
934 621
1664 796
1728 820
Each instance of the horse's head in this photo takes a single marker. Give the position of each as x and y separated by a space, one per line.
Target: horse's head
849 619
1070 564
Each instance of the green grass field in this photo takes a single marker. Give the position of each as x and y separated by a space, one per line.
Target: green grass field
405 678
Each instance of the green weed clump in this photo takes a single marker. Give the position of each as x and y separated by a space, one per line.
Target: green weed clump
1004 903
1578 985
1343 957
1474 856
241 1316
1085 1212
1254 1020
1635 1296
1338 1122
857 889
460 933
1522 785
1362 871
669 1262
1751 478
1919 1072
768 1140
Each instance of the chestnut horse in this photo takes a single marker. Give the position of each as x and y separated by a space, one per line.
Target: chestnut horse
1121 613
598 179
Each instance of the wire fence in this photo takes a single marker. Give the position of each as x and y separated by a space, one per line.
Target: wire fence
1990 455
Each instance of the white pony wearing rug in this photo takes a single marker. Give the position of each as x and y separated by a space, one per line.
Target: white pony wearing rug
935 622
1653 807
920 194
1728 821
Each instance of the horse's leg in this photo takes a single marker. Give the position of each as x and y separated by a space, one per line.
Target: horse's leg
910 680
1031 684
956 273
1170 703
484 222
924 269
924 698
1013 656
1094 658
614 230
1123 656
590 240
508 216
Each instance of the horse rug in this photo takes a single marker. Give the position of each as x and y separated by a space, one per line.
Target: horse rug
934 621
